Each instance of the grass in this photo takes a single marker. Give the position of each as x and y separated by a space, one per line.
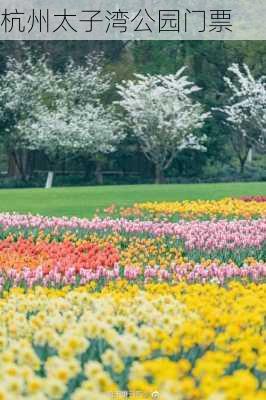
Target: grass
83 201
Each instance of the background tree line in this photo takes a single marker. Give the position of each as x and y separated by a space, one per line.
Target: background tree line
207 63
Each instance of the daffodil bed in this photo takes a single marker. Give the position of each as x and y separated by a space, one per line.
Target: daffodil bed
244 207
145 303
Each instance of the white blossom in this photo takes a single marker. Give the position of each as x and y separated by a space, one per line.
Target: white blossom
87 130
246 108
163 115
25 85
58 113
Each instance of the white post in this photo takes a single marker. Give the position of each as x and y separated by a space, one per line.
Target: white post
249 158
49 180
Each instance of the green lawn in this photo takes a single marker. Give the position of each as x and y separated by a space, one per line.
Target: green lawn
83 201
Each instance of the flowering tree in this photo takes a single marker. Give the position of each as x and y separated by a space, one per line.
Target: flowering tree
163 116
59 114
79 124
246 112
86 83
26 84
86 130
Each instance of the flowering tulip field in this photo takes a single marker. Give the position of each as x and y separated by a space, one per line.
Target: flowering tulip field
154 301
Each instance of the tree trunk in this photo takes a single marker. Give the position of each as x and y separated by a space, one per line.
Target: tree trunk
159 177
30 165
17 164
242 165
12 169
24 157
98 173
49 180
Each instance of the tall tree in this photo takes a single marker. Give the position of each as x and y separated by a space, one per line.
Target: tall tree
26 84
59 113
246 111
163 116
87 131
